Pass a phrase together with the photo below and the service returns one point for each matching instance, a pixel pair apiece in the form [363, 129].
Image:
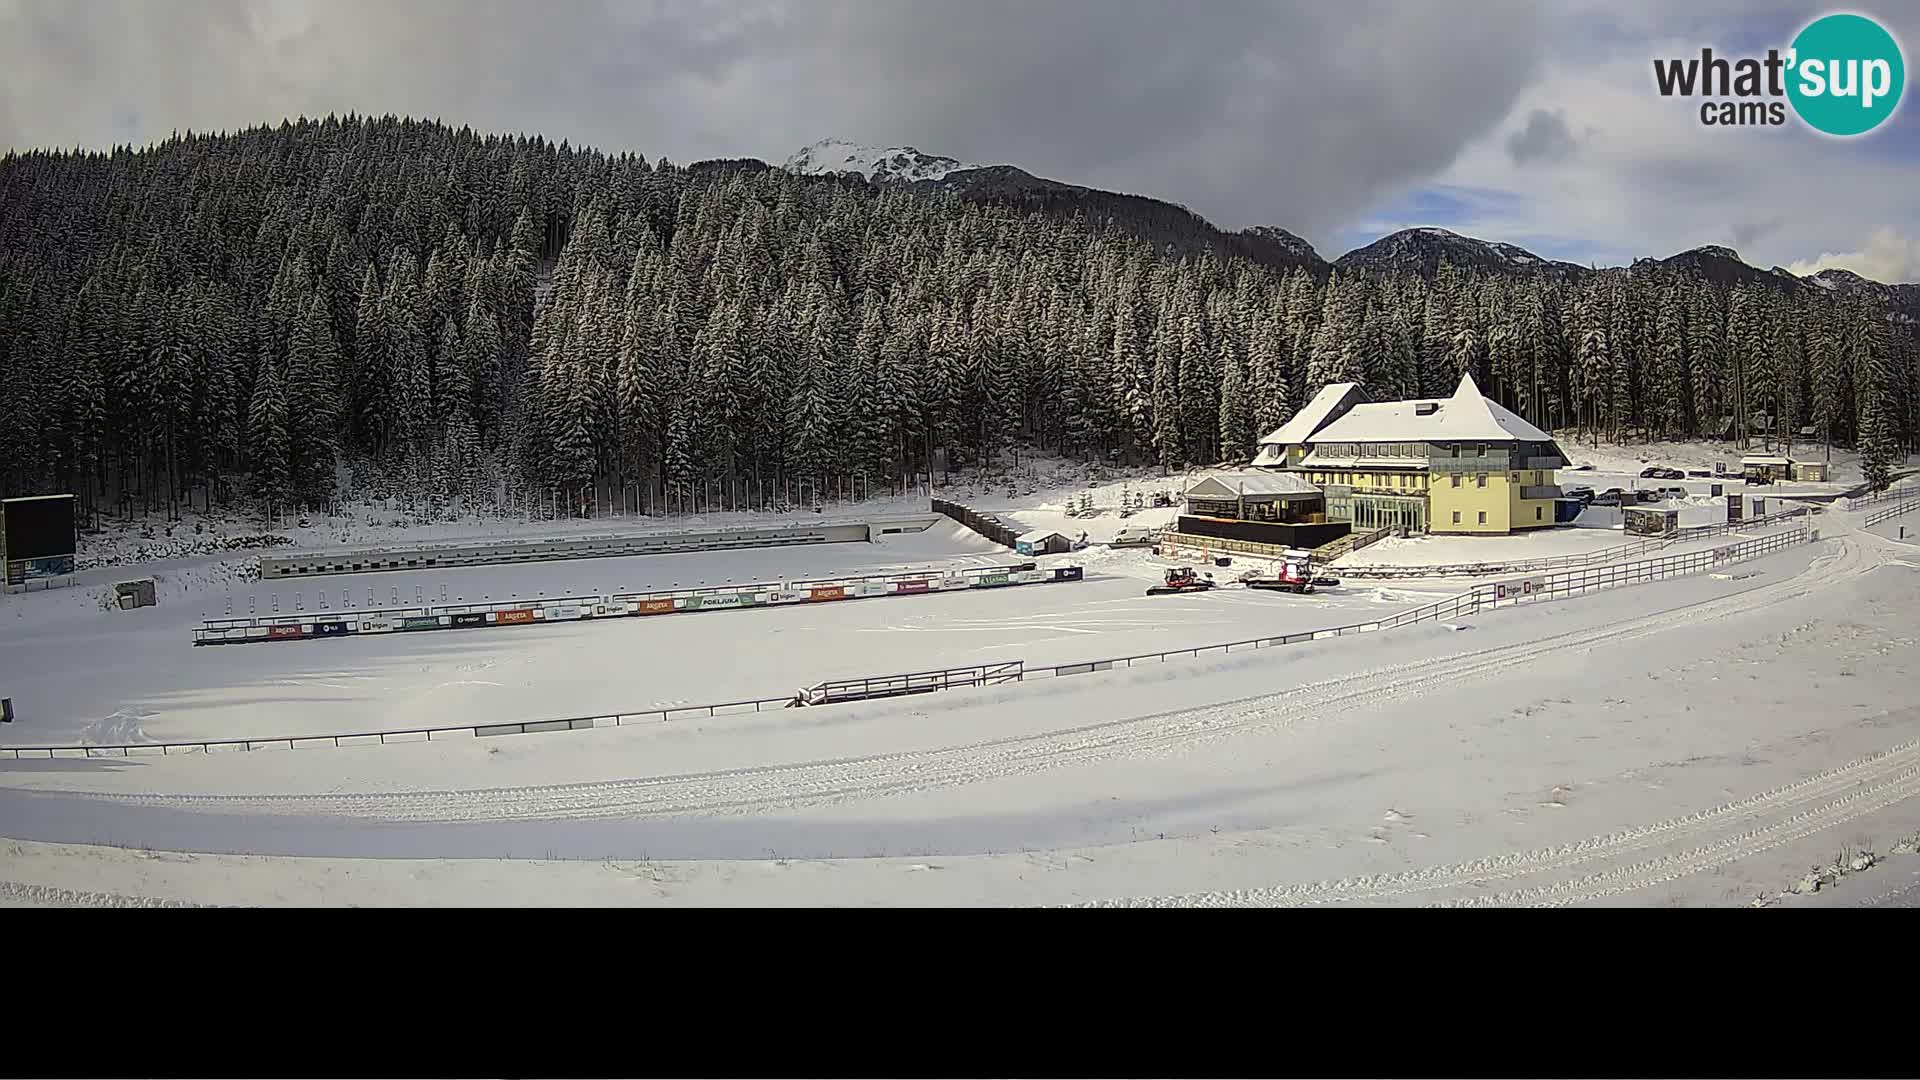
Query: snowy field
[1702, 743]
[150, 683]
[1697, 741]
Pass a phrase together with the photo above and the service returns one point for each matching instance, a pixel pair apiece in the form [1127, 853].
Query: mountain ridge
[1419, 249]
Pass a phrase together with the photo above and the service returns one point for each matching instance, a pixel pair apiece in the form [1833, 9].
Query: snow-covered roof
[1467, 415]
[1324, 406]
[1038, 534]
[1764, 459]
[1252, 485]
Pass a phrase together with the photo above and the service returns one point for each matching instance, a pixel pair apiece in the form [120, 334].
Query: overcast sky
[1530, 122]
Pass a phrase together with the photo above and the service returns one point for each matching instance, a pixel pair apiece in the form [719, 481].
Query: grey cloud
[1545, 137]
[1745, 233]
[1298, 113]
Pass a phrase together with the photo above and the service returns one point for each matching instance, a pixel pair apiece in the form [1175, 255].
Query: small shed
[1651, 521]
[1814, 472]
[1767, 467]
[1042, 542]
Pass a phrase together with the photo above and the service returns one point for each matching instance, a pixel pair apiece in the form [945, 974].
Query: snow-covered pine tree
[1324, 356]
[1873, 374]
[1236, 417]
[267, 434]
[1168, 441]
[1669, 386]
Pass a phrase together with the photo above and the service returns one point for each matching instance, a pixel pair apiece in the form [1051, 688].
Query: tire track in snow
[763, 789]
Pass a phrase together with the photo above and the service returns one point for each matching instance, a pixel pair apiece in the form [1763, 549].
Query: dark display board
[37, 537]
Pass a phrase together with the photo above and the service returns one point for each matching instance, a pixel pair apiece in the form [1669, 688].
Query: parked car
[1579, 468]
[1583, 492]
[1609, 497]
[1672, 493]
[1759, 478]
[1699, 474]
[1661, 472]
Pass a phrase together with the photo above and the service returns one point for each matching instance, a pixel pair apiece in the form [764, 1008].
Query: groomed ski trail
[772, 788]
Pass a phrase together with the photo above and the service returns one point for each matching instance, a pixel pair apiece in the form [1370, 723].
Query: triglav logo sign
[1843, 75]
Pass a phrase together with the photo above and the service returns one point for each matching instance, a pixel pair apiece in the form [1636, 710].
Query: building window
[1456, 479]
[1536, 513]
[1454, 450]
[1456, 517]
[1480, 480]
[1483, 517]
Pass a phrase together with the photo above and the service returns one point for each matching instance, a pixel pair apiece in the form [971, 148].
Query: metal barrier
[1489, 596]
[871, 687]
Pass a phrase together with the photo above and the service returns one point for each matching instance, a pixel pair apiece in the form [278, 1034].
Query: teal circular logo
[1845, 75]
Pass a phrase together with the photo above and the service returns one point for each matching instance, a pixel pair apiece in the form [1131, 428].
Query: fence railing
[1488, 596]
[1570, 562]
[1891, 512]
[1901, 491]
[1196, 542]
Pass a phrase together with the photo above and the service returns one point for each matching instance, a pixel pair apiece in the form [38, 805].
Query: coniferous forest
[238, 320]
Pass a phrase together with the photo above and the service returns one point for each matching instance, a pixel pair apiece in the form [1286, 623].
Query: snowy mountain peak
[1421, 250]
[1285, 240]
[897, 163]
[1716, 250]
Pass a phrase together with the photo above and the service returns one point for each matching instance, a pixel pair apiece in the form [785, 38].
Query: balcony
[1540, 491]
[1491, 463]
[1548, 463]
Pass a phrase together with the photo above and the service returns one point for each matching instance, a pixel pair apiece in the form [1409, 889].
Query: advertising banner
[909, 586]
[421, 622]
[563, 612]
[517, 615]
[470, 618]
[283, 633]
[656, 606]
[831, 592]
[330, 629]
[988, 581]
[22, 571]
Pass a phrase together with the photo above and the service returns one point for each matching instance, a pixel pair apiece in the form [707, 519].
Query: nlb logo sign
[1843, 75]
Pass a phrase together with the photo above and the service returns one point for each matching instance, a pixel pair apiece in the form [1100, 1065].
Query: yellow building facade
[1462, 464]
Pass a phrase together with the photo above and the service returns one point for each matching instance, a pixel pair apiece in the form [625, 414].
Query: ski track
[768, 788]
[1880, 780]
[1719, 836]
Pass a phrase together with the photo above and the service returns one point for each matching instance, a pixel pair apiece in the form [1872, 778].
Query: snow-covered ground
[1697, 741]
[1620, 466]
[1692, 744]
[80, 674]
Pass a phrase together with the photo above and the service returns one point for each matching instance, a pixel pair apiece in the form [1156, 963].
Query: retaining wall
[437, 557]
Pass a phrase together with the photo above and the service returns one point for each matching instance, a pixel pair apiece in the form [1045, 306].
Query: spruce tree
[267, 434]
